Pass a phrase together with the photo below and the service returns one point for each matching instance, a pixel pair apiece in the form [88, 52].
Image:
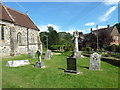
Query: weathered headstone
[39, 64]
[48, 55]
[95, 60]
[32, 54]
[71, 66]
[17, 63]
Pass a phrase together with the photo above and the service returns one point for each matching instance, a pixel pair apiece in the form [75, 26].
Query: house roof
[18, 18]
[102, 29]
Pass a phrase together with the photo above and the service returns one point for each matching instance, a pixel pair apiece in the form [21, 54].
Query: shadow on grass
[84, 67]
[61, 68]
[32, 65]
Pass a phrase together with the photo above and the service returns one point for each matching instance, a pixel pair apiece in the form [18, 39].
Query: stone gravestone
[95, 59]
[39, 64]
[32, 54]
[17, 63]
[48, 55]
[71, 66]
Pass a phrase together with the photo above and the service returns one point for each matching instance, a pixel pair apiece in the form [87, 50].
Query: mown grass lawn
[54, 77]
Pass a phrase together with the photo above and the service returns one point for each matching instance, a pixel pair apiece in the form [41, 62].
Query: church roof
[18, 18]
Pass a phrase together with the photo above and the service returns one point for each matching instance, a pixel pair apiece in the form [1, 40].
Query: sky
[69, 16]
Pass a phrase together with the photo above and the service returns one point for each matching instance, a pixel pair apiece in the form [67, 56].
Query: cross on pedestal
[39, 64]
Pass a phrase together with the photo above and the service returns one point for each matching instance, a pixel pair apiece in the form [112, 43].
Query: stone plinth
[40, 65]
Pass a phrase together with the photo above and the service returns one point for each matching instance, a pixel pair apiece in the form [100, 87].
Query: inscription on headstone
[17, 63]
[71, 65]
[95, 60]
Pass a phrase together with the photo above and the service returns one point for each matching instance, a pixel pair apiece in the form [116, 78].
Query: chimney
[91, 30]
[108, 26]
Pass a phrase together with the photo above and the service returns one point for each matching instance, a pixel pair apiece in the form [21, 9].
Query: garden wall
[115, 62]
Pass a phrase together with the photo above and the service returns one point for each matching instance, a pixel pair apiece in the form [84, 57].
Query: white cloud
[102, 27]
[105, 17]
[56, 27]
[43, 28]
[111, 2]
[90, 24]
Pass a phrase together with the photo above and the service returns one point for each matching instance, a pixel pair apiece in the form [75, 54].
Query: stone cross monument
[77, 53]
[76, 35]
[40, 44]
[39, 64]
[39, 55]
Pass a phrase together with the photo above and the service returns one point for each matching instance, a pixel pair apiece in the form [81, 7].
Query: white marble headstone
[95, 60]
[17, 63]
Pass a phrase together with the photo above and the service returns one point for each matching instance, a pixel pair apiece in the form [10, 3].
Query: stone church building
[18, 33]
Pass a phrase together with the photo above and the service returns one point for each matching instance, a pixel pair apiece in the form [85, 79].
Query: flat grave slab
[17, 63]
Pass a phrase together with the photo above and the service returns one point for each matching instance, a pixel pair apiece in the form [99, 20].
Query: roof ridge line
[33, 22]
[15, 10]
[8, 13]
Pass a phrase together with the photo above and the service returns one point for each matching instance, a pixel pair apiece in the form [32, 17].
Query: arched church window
[19, 38]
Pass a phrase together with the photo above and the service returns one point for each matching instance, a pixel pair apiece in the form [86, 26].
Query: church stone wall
[21, 48]
[33, 40]
[10, 44]
[5, 44]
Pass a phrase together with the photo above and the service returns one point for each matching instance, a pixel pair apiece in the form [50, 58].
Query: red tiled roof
[3, 14]
[102, 29]
[20, 18]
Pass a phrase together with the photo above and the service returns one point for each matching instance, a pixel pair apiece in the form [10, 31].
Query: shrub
[88, 49]
[68, 47]
[83, 49]
[118, 48]
[55, 47]
[113, 48]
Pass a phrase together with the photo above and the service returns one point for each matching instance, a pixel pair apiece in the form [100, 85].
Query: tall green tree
[57, 40]
[53, 37]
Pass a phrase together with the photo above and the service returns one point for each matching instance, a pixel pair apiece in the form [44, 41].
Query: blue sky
[69, 16]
